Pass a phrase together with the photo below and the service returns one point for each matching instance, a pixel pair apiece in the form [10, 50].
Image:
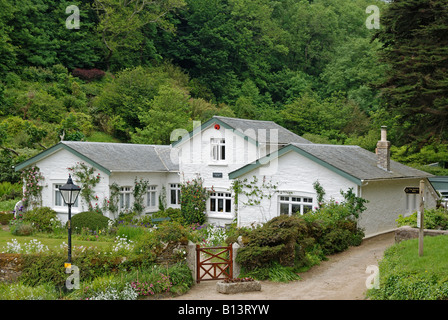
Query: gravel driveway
[342, 277]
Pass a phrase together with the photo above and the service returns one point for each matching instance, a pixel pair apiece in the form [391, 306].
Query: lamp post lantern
[69, 193]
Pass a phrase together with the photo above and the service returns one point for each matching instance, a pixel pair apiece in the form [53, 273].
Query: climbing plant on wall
[194, 201]
[139, 191]
[85, 176]
[32, 190]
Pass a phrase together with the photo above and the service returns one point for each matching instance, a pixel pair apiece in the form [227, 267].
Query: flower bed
[237, 285]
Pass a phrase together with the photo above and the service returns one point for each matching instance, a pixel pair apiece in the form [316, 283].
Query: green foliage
[84, 175]
[193, 201]
[32, 191]
[151, 243]
[434, 218]
[174, 214]
[275, 241]
[90, 220]
[299, 242]
[139, 191]
[43, 219]
[415, 87]
[20, 291]
[404, 275]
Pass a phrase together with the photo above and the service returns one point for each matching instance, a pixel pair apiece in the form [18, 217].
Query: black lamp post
[69, 193]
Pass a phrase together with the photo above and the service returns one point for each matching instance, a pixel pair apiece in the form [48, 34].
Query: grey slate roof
[358, 162]
[284, 136]
[124, 157]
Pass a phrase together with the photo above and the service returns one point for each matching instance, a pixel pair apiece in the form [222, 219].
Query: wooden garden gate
[214, 263]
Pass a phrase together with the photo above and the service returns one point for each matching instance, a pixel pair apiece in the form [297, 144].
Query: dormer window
[218, 147]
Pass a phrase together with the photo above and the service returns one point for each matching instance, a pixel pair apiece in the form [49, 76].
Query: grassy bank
[404, 275]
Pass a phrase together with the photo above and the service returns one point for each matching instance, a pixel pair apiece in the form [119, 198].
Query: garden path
[342, 277]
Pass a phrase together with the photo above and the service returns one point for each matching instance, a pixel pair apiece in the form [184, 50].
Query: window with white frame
[175, 193]
[58, 200]
[125, 197]
[411, 202]
[295, 204]
[151, 197]
[218, 148]
[220, 202]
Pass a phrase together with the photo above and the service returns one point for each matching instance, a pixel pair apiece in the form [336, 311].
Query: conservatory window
[295, 204]
[125, 197]
[175, 193]
[151, 197]
[220, 202]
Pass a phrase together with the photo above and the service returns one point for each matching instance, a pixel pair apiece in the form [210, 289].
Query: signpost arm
[421, 217]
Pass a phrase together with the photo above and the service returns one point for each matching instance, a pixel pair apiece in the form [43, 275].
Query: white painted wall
[195, 161]
[387, 200]
[295, 175]
[55, 170]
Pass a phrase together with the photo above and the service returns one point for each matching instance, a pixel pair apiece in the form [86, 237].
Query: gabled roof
[351, 162]
[250, 129]
[114, 157]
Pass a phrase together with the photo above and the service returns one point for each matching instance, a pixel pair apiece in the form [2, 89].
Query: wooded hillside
[135, 70]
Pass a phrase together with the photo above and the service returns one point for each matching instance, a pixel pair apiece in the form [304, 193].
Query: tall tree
[121, 22]
[415, 44]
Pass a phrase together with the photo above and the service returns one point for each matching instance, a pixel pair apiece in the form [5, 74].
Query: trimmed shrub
[283, 239]
[90, 220]
[43, 219]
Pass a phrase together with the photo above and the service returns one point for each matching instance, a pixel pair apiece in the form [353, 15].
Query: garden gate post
[191, 259]
[236, 265]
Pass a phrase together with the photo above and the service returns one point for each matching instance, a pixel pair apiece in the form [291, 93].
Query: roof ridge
[116, 143]
[252, 120]
[326, 145]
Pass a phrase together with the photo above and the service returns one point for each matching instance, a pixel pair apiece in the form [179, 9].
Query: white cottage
[116, 163]
[283, 165]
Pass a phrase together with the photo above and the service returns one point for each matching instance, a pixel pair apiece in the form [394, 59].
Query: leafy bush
[90, 220]
[433, 219]
[193, 201]
[282, 239]
[174, 214]
[151, 244]
[299, 242]
[43, 219]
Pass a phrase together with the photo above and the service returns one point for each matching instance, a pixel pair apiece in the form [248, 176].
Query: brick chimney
[383, 151]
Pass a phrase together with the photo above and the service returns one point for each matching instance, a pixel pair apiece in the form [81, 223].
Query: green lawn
[6, 236]
[404, 275]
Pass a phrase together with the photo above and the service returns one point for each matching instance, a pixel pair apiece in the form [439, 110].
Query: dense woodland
[135, 70]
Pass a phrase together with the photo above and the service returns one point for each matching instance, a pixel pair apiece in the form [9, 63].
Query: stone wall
[10, 267]
[406, 233]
